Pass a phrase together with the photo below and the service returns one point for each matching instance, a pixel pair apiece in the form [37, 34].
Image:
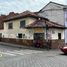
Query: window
[22, 24]
[19, 35]
[38, 36]
[53, 31]
[59, 35]
[10, 25]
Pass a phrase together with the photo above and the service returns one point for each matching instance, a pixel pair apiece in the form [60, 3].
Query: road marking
[15, 53]
[1, 55]
[7, 53]
[23, 52]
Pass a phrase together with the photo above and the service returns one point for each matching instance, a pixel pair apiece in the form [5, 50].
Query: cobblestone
[34, 58]
[44, 59]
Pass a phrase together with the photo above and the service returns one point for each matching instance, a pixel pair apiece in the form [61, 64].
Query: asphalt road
[16, 57]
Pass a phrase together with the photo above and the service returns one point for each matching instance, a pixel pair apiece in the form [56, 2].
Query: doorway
[38, 39]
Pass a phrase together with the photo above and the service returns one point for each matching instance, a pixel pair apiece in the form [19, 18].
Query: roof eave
[6, 20]
[48, 27]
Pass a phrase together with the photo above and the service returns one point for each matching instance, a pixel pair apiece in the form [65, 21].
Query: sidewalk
[24, 47]
[20, 46]
[13, 45]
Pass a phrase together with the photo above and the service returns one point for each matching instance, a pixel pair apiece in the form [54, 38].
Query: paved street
[16, 57]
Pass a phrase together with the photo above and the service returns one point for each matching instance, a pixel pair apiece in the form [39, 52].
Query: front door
[38, 39]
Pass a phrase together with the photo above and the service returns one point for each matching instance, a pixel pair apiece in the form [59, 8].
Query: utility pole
[46, 27]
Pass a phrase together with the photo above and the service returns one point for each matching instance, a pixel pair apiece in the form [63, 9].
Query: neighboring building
[2, 17]
[1, 21]
[55, 12]
[27, 27]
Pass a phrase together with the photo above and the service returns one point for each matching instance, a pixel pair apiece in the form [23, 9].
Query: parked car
[64, 49]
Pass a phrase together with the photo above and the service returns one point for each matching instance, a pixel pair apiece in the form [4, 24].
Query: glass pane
[38, 36]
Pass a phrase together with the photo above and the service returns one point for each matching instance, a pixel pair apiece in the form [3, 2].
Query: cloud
[7, 6]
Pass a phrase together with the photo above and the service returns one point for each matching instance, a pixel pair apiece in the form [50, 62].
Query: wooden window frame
[10, 25]
[22, 24]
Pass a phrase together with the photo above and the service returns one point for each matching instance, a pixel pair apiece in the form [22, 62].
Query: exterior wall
[2, 32]
[52, 5]
[55, 33]
[53, 44]
[30, 20]
[57, 44]
[12, 33]
[29, 33]
[24, 42]
[39, 30]
[65, 16]
[54, 13]
[52, 33]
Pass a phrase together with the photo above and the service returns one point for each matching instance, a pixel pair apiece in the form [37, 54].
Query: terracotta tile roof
[43, 23]
[22, 15]
[11, 14]
[2, 17]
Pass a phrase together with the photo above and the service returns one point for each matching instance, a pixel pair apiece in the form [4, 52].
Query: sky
[19, 6]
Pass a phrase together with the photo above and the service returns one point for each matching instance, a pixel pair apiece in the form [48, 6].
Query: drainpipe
[65, 16]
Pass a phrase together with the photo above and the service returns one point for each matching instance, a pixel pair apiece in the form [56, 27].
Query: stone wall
[57, 43]
[18, 41]
[53, 44]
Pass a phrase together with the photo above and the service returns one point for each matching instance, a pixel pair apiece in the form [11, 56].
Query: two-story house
[27, 27]
[57, 13]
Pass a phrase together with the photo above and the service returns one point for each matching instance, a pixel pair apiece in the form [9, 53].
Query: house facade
[57, 13]
[27, 28]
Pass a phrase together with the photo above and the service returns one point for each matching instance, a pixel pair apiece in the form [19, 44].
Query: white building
[57, 13]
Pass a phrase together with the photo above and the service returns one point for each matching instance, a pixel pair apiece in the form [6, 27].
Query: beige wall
[13, 33]
[29, 33]
[16, 23]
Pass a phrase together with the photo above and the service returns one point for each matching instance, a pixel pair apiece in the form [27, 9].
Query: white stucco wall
[52, 5]
[55, 33]
[54, 13]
